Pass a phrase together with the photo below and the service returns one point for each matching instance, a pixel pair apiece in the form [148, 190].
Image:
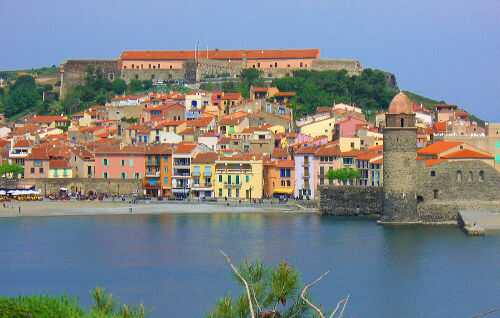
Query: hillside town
[216, 145]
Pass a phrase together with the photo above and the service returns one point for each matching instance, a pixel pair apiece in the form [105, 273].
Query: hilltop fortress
[199, 66]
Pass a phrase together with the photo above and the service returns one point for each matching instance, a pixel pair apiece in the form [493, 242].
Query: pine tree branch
[309, 303]
[247, 287]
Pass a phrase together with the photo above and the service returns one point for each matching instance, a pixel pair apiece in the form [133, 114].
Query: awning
[283, 191]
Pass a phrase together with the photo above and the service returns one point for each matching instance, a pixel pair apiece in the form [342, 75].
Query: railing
[153, 174]
[232, 185]
[186, 174]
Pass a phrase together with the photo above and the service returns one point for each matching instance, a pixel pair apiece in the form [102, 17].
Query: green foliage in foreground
[13, 170]
[66, 307]
[343, 175]
[275, 291]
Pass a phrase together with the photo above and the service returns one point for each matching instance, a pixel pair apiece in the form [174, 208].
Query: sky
[447, 49]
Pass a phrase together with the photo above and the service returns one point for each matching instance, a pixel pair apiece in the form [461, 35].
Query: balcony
[232, 185]
[181, 175]
[202, 186]
[152, 174]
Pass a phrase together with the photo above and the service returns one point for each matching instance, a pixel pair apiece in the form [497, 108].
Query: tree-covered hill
[370, 90]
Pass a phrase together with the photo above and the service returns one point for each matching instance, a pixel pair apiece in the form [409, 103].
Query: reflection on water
[171, 262]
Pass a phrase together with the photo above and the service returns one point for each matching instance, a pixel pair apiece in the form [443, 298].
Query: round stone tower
[400, 153]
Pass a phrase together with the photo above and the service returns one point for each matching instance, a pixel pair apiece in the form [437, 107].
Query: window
[481, 176]
[40, 170]
[433, 173]
[32, 170]
[220, 178]
[220, 192]
[158, 65]
[208, 171]
[105, 175]
[123, 163]
[124, 175]
[347, 161]
[196, 170]
[237, 179]
[275, 64]
[471, 177]
[137, 175]
[301, 64]
[402, 122]
[436, 194]
[229, 180]
[165, 180]
[247, 179]
[104, 162]
[459, 176]
[237, 192]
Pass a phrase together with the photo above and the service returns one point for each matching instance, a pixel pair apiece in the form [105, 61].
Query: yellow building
[239, 177]
[203, 174]
[321, 127]
[349, 143]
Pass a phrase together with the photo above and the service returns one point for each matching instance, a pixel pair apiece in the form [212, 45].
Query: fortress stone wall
[73, 72]
[351, 200]
[110, 186]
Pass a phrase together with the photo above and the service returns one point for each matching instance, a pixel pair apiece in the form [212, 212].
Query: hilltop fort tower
[400, 168]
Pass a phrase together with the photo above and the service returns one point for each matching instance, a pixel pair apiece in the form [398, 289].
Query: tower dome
[400, 104]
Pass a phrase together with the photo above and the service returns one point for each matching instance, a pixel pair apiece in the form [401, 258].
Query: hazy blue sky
[446, 49]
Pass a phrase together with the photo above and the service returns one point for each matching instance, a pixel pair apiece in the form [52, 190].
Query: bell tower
[400, 154]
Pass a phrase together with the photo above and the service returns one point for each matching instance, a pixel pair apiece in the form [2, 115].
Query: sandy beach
[74, 208]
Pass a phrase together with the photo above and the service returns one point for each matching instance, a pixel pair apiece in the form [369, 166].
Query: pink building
[117, 162]
[348, 127]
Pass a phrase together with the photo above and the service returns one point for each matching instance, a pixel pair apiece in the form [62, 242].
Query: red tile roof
[433, 162]
[158, 149]
[47, 119]
[59, 164]
[205, 157]
[332, 149]
[285, 163]
[306, 150]
[467, 154]
[24, 143]
[438, 147]
[185, 148]
[231, 96]
[222, 54]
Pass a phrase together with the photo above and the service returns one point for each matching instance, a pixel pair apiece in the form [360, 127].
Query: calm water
[172, 264]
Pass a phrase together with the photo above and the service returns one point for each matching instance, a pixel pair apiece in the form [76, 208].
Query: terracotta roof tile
[467, 154]
[438, 147]
[221, 54]
[185, 148]
[205, 157]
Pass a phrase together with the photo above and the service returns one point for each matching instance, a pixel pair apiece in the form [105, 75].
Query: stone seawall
[351, 200]
[110, 186]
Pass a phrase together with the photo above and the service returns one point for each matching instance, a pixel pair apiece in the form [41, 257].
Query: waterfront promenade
[74, 208]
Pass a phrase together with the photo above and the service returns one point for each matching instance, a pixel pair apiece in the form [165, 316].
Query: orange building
[279, 178]
[158, 171]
